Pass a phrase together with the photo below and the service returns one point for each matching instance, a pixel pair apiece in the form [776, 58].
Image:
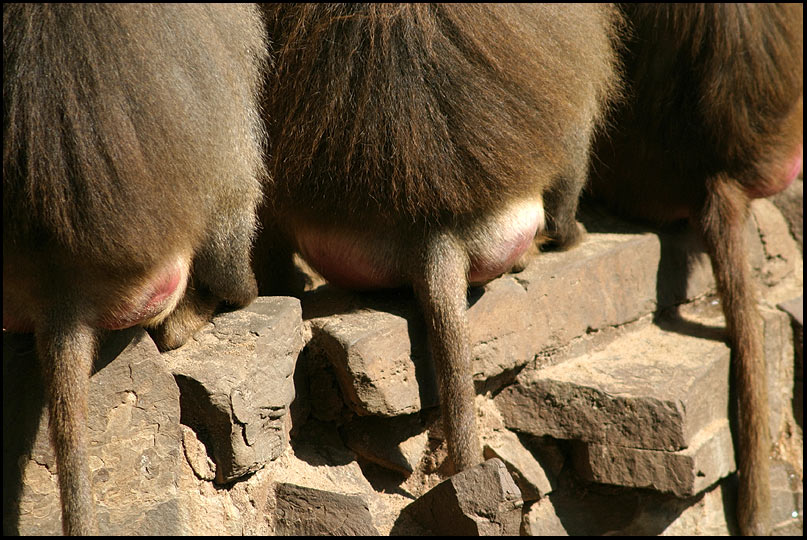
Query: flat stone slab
[652, 389]
[709, 458]
[236, 381]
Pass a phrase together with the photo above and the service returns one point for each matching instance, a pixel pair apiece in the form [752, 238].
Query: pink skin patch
[345, 263]
[485, 269]
[795, 167]
[153, 302]
[780, 177]
[156, 297]
[364, 262]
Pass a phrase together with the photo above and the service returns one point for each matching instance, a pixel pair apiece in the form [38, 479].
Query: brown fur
[714, 105]
[130, 140]
[402, 128]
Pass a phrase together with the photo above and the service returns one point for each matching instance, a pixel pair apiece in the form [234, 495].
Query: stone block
[480, 501]
[778, 347]
[380, 370]
[304, 511]
[780, 250]
[687, 472]
[611, 511]
[394, 443]
[795, 310]
[526, 470]
[542, 520]
[654, 388]
[791, 203]
[235, 376]
[651, 389]
[318, 464]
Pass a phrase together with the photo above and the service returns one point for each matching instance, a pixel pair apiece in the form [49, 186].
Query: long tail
[442, 287]
[66, 350]
[722, 226]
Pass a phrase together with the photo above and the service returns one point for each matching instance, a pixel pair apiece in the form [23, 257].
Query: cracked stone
[480, 501]
[134, 443]
[235, 376]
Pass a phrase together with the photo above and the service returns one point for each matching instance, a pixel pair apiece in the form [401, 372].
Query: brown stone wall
[602, 382]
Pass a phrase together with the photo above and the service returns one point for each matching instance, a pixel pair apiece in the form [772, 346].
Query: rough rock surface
[236, 382]
[135, 446]
[791, 203]
[480, 501]
[303, 511]
[605, 403]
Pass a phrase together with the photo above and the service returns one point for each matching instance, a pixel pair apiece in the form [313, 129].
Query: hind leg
[273, 262]
[563, 231]
[222, 266]
[220, 272]
[193, 311]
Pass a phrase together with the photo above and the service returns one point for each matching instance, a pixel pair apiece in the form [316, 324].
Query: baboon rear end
[425, 146]
[712, 120]
[131, 171]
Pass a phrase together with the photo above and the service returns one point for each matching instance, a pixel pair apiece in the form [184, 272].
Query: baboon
[712, 119]
[131, 171]
[425, 145]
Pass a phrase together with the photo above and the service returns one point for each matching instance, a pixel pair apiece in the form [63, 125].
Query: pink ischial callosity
[486, 269]
[502, 239]
[345, 262]
[357, 261]
[154, 299]
[795, 165]
[780, 177]
[159, 294]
